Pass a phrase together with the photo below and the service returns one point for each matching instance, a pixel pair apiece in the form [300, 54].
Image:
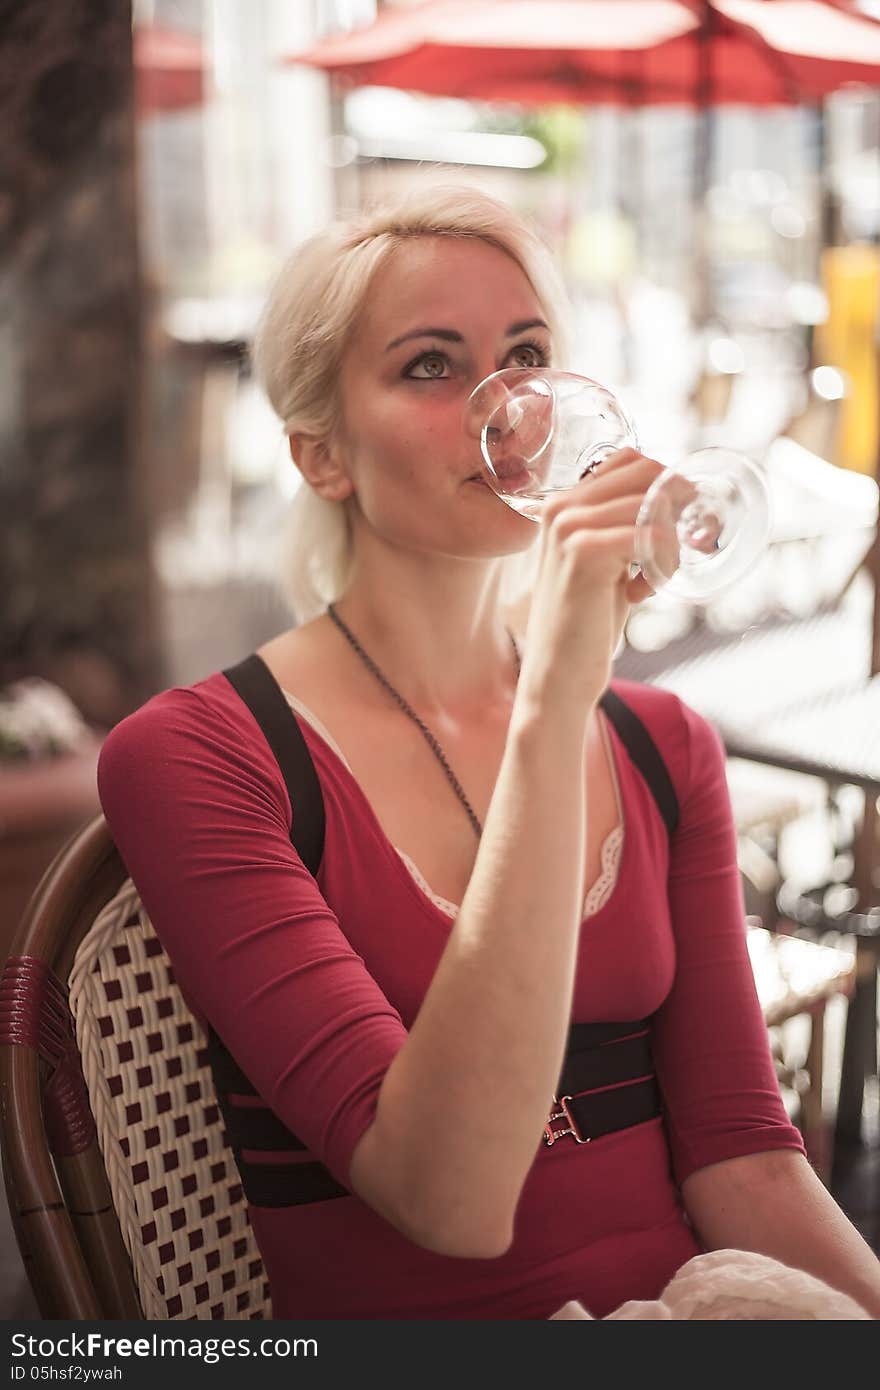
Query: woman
[494, 867]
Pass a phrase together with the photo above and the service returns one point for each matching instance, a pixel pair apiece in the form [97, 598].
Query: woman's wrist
[548, 706]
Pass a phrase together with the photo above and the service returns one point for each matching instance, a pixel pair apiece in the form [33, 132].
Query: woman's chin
[498, 539]
[489, 500]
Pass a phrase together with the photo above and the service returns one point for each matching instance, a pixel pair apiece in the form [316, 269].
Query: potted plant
[48, 756]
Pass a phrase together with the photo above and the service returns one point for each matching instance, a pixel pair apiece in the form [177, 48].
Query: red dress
[312, 984]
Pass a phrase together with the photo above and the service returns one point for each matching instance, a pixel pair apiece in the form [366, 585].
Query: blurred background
[712, 193]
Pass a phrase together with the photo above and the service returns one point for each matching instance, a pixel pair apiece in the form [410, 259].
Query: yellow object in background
[848, 340]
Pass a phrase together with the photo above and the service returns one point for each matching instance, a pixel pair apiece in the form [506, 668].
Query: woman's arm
[774, 1204]
[461, 1109]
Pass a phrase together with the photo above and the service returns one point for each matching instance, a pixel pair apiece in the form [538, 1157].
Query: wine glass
[702, 523]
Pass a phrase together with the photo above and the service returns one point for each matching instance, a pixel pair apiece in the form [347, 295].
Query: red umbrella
[640, 52]
[169, 69]
[700, 53]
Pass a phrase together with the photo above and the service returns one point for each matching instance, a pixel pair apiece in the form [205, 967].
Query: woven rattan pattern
[174, 1182]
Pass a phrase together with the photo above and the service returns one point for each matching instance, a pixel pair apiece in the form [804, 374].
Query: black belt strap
[288, 1184]
[255, 1129]
[607, 1111]
[606, 1066]
[259, 1128]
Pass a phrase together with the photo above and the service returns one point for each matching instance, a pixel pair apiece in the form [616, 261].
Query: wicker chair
[124, 1195]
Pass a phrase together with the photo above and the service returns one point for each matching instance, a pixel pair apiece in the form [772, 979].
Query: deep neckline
[411, 871]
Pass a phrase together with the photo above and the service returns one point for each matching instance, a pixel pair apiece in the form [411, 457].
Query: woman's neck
[442, 640]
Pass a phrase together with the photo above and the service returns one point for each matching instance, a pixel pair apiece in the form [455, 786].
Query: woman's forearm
[461, 1109]
[774, 1204]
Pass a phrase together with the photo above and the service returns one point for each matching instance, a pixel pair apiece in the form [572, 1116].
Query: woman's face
[441, 314]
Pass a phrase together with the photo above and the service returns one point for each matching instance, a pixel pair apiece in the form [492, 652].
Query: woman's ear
[320, 466]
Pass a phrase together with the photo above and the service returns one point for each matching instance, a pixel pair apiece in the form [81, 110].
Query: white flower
[38, 720]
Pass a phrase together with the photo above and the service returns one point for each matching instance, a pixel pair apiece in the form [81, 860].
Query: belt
[607, 1083]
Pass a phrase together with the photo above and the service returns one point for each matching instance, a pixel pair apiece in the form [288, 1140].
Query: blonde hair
[303, 333]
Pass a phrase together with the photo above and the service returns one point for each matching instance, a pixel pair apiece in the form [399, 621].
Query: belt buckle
[563, 1113]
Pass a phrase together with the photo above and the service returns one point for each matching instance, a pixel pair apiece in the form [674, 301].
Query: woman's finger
[626, 469]
[594, 515]
[638, 589]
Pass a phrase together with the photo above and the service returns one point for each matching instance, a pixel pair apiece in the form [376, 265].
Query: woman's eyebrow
[449, 335]
[524, 325]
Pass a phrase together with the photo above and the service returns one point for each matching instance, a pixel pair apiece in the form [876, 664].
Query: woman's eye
[428, 367]
[528, 355]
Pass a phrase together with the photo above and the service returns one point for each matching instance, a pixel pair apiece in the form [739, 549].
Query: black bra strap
[258, 688]
[645, 754]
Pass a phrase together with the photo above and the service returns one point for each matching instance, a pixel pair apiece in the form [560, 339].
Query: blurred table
[798, 694]
[737, 678]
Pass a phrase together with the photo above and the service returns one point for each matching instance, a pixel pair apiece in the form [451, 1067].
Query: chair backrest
[123, 1192]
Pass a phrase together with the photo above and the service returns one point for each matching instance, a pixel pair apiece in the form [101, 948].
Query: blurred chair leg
[860, 1042]
[817, 1134]
[859, 1050]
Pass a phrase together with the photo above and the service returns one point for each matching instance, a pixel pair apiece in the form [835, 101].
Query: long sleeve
[199, 811]
[711, 1044]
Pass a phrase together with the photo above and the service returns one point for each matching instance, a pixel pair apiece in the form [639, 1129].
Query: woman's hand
[584, 591]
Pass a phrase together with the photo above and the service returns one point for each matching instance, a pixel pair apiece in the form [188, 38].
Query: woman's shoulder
[184, 732]
[652, 703]
[181, 710]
